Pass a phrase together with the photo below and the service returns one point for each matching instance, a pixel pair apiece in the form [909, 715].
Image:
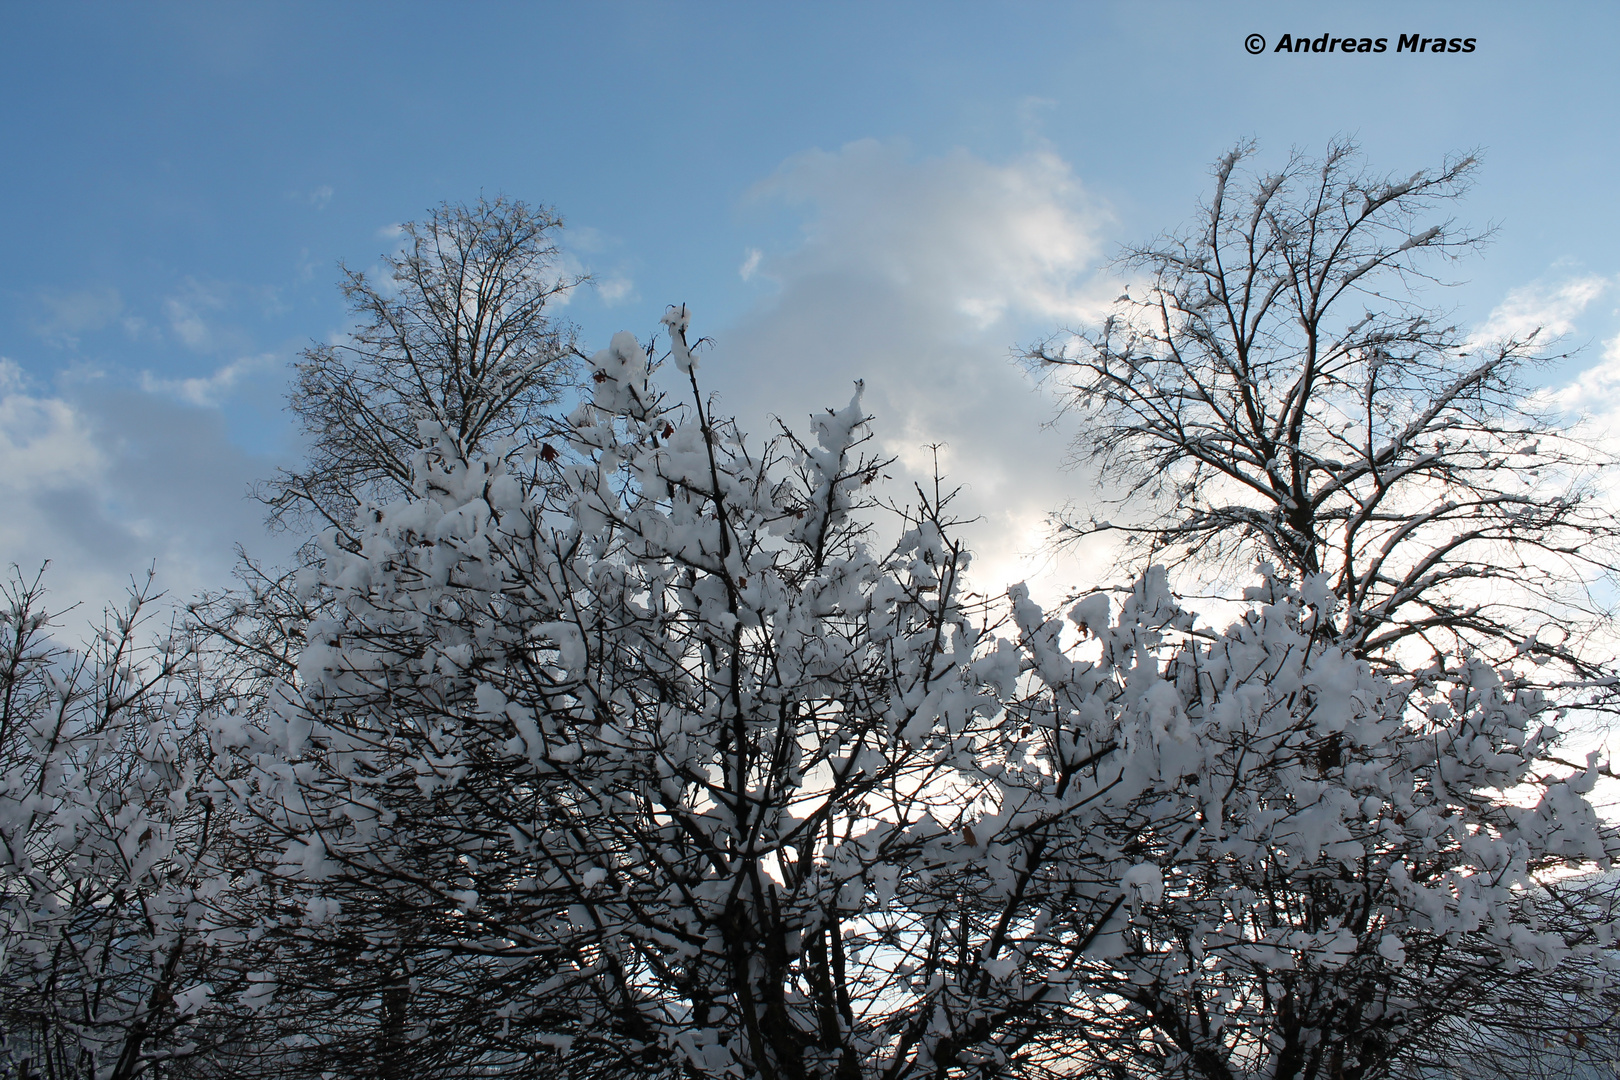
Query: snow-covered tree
[1281, 387]
[622, 771]
[643, 759]
[107, 845]
[1333, 874]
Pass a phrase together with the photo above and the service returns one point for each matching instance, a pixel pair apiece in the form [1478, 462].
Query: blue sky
[903, 192]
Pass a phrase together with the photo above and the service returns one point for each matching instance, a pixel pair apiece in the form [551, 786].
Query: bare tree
[458, 336]
[1281, 390]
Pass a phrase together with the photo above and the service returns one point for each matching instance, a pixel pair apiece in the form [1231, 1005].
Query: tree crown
[458, 336]
[1279, 389]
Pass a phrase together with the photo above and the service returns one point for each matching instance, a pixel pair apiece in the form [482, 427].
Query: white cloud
[587, 239]
[1592, 396]
[750, 265]
[1550, 307]
[996, 240]
[185, 313]
[212, 390]
[43, 441]
[108, 483]
[616, 290]
[611, 287]
[1591, 401]
[203, 314]
[920, 277]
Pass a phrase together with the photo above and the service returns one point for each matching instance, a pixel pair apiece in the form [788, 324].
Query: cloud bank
[107, 483]
[921, 277]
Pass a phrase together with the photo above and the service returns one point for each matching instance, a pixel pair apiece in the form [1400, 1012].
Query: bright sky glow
[901, 192]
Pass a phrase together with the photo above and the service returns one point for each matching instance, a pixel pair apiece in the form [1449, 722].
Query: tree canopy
[457, 336]
[658, 760]
[1281, 387]
[617, 742]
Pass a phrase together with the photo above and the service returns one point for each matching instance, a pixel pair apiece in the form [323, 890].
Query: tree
[632, 764]
[456, 340]
[650, 765]
[1337, 874]
[108, 853]
[1279, 389]
[458, 337]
